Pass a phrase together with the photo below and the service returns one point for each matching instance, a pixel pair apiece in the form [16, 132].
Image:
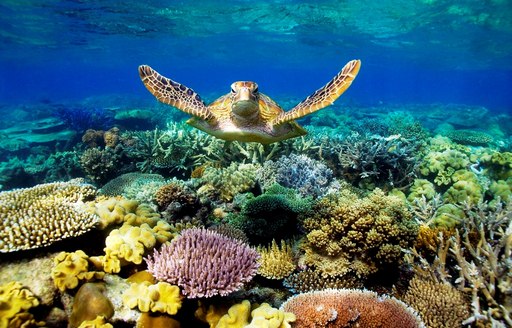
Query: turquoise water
[402, 187]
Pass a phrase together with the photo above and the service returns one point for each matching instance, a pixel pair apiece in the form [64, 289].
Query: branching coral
[350, 307]
[204, 263]
[306, 175]
[276, 262]
[378, 161]
[41, 215]
[348, 234]
[482, 251]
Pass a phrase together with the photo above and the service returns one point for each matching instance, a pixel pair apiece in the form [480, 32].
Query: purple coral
[204, 263]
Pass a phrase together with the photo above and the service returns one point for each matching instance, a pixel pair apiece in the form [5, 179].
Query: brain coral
[204, 263]
[350, 308]
[348, 234]
[41, 215]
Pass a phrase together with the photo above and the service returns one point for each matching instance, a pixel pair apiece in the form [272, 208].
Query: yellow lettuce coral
[240, 316]
[160, 297]
[71, 268]
[15, 301]
[99, 322]
[276, 262]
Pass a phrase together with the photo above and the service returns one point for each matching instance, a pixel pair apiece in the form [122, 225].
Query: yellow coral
[71, 268]
[238, 316]
[276, 262]
[41, 215]
[99, 322]
[15, 301]
[161, 297]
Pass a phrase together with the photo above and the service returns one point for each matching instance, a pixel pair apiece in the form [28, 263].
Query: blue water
[412, 51]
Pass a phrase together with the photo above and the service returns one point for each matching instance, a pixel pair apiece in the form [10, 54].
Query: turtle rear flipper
[174, 93]
[324, 96]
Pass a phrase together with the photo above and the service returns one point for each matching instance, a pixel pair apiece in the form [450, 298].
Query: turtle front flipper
[325, 96]
[174, 93]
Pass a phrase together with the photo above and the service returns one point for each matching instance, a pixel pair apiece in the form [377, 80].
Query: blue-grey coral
[204, 263]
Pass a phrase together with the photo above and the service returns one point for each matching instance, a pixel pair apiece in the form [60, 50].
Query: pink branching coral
[204, 263]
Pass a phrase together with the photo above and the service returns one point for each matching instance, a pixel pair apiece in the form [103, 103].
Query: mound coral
[204, 263]
[15, 301]
[440, 305]
[348, 234]
[160, 297]
[129, 183]
[71, 268]
[276, 262]
[89, 303]
[350, 307]
[41, 215]
[270, 215]
[469, 137]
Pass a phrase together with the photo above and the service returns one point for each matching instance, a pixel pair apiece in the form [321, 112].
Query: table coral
[15, 301]
[276, 262]
[41, 215]
[350, 307]
[348, 234]
[161, 297]
[71, 268]
[204, 263]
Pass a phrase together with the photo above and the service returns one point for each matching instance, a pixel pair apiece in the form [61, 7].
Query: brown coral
[41, 215]
[350, 308]
[175, 193]
[309, 280]
[440, 305]
[276, 262]
[111, 137]
[93, 138]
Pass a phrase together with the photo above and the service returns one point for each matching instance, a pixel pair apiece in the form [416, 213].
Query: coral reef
[204, 263]
[348, 234]
[41, 215]
[276, 262]
[350, 307]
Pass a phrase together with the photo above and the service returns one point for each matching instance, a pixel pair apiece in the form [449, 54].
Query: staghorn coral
[41, 215]
[204, 263]
[229, 181]
[350, 307]
[276, 262]
[15, 301]
[309, 280]
[440, 305]
[71, 268]
[348, 234]
[161, 297]
[306, 175]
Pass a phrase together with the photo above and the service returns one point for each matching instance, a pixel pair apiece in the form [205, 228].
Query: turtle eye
[233, 90]
[255, 90]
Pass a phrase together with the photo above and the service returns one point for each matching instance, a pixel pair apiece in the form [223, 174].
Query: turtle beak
[245, 94]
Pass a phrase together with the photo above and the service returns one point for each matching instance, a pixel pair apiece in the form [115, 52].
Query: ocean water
[424, 132]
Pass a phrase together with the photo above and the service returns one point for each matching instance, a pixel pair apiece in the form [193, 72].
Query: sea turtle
[245, 114]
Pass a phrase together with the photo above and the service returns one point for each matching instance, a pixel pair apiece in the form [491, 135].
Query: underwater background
[394, 209]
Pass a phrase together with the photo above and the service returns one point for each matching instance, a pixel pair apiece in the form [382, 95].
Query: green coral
[448, 216]
[502, 189]
[421, 188]
[441, 165]
[465, 188]
[348, 234]
[469, 137]
[270, 215]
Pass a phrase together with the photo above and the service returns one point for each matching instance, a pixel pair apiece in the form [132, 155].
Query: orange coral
[350, 308]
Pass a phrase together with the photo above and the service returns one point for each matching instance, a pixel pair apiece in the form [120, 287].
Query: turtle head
[244, 100]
